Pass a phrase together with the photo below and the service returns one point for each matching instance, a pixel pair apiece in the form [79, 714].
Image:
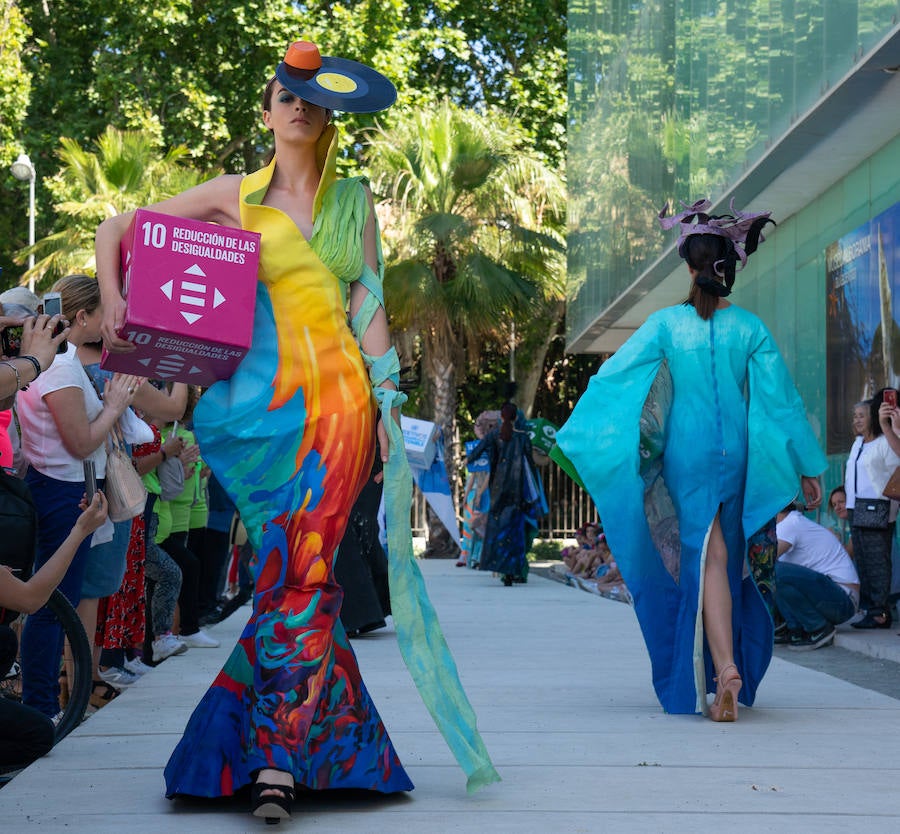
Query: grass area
[546, 550]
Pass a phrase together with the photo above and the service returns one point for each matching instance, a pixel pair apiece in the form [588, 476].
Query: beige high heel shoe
[725, 705]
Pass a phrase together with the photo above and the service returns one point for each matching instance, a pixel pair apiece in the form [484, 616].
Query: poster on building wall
[861, 323]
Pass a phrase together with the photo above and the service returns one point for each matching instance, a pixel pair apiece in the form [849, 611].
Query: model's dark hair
[508, 413]
[704, 253]
[715, 258]
[268, 93]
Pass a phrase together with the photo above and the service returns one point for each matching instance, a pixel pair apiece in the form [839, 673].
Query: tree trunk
[440, 543]
[530, 369]
[442, 376]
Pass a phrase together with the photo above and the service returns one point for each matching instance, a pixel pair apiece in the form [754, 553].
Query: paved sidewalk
[561, 684]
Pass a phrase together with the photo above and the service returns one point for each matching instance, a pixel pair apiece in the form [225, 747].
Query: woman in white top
[64, 422]
[874, 456]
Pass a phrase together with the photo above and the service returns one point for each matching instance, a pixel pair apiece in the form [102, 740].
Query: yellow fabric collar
[254, 186]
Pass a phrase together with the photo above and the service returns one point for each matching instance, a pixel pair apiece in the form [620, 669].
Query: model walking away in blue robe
[689, 440]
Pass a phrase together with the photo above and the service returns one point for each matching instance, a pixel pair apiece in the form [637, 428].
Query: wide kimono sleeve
[601, 441]
[782, 444]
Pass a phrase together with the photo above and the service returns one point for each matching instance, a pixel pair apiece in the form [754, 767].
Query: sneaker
[118, 677]
[199, 640]
[804, 642]
[166, 645]
[137, 666]
[782, 635]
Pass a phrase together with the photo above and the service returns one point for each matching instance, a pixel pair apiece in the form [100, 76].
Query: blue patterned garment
[731, 436]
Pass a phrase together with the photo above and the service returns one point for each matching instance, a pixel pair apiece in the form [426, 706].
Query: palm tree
[127, 171]
[471, 229]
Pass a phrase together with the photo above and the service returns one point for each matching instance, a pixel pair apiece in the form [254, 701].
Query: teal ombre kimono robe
[732, 437]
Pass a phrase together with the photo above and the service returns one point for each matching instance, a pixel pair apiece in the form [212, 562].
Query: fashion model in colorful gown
[291, 437]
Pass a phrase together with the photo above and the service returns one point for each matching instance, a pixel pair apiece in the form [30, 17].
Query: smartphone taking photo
[90, 480]
[890, 397]
[53, 307]
[11, 336]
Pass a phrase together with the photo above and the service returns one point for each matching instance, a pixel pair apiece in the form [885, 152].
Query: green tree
[127, 170]
[470, 240]
[15, 85]
[504, 54]
[192, 74]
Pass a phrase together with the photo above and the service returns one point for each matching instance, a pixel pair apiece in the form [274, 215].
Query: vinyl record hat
[334, 83]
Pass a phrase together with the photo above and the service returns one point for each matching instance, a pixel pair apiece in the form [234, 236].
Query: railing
[570, 507]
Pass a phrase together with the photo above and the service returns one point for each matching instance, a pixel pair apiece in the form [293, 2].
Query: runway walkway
[560, 681]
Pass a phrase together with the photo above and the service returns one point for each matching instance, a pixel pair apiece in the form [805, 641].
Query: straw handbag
[124, 489]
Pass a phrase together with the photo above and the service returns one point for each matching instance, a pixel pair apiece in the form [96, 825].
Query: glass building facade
[674, 101]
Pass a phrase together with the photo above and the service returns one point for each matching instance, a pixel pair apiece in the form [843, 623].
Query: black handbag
[871, 513]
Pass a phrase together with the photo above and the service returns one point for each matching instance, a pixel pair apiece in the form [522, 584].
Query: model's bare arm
[216, 201]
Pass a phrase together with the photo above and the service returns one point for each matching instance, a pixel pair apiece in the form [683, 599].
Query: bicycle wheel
[82, 662]
[79, 648]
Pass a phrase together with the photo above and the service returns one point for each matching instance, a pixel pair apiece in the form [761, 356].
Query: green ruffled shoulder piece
[337, 236]
[337, 239]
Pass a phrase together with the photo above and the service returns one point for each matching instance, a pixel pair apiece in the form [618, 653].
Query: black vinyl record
[339, 84]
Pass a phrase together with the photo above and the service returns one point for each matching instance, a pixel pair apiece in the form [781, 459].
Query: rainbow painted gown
[291, 437]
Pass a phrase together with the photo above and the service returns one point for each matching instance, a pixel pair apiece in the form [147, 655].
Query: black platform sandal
[272, 806]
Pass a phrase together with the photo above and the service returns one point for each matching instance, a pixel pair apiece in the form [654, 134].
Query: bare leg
[87, 612]
[717, 600]
[717, 625]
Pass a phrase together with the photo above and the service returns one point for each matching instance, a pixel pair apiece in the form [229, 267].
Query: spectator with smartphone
[63, 421]
[28, 349]
[874, 456]
[115, 572]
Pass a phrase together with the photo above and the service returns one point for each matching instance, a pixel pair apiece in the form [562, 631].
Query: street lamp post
[23, 169]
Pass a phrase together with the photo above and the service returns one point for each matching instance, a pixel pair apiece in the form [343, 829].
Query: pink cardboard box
[190, 291]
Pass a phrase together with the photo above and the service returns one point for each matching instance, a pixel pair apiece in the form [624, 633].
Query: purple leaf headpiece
[743, 229]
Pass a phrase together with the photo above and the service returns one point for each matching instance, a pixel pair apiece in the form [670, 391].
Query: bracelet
[15, 370]
[34, 361]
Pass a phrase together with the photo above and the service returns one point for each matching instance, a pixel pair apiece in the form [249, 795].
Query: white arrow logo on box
[192, 293]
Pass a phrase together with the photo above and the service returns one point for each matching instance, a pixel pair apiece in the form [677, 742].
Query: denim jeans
[810, 600]
[42, 638]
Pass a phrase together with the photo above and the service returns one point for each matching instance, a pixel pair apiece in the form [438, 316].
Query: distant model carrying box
[418, 438]
[190, 290]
